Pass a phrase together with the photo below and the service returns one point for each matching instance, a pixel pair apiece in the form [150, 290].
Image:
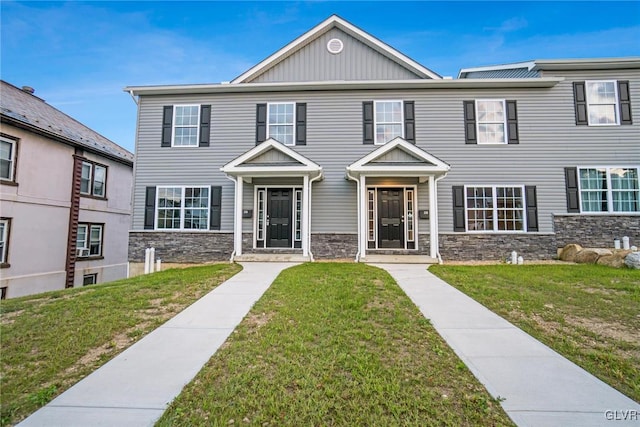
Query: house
[65, 199]
[340, 146]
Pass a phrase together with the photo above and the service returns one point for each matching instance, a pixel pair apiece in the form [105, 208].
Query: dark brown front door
[390, 218]
[279, 217]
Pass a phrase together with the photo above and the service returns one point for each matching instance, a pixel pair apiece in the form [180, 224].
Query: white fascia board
[264, 147]
[588, 63]
[364, 162]
[536, 82]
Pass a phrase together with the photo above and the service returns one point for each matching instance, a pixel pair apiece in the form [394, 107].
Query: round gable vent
[335, 46]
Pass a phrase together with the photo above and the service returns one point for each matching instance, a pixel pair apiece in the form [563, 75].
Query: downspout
[309, 215]
[358, 202]
[235, 195]
[435, 212]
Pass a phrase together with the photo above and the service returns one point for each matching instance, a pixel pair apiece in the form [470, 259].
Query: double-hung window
[491, 121]
[89, 240]
[185, 125]
[7, 159]
[389, 121]
[495, 208]
[602, 102]
[182, 208]
[609, 189]
[281, 122]
[5, 224]
[93, 181]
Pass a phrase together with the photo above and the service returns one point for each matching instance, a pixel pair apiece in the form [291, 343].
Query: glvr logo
[622, 415]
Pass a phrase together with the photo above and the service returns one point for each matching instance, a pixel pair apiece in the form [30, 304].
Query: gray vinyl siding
[357, 61]
[549, 141]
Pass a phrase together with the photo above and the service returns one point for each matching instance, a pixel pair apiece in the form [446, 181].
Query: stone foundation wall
[495, 247]
[334, 246]
[596, 231]
[181, 247]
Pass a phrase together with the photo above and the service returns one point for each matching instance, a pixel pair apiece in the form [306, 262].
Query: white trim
[293, 122]
[375, 120]
[334, 41]
[404, 188]
[504, 121]
[616, 104]
[182, 208]
[4, 239]
[12, 160]
[173, 126]
[609, 190]
[334, 21]
[237, 223]
[494, 196]
[266, 188]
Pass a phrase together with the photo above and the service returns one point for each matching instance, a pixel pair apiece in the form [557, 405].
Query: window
[609, 189]
[389, 121]
[93, 180]
[89, 240]
[602, 102]
[281, 120]
[261, 214]
[495, 208]
[183, 208]
[298, 216]
[491, 121]
[90, 279]
[7, 158]
[5, 224]
[185, 125]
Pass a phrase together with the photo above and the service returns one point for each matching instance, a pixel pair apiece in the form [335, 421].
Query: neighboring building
[65, 199]
[340, 146]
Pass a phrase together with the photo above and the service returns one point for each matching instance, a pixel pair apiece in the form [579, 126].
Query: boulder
[616, 260]
[569, 252]
[591, 255]
[633, 260]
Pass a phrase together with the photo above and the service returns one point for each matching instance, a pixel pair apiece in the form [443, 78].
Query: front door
[390, 218]
[279, 217]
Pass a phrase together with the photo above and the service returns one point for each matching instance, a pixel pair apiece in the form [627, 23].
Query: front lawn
[334, 344]
[588, 313]
[50, 341]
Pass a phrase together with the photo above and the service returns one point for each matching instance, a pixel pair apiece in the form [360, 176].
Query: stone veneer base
[496, 247]
[596, 231]
[181, 247]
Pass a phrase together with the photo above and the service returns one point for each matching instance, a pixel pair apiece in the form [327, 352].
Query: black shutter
[150, 208]
[470, 122]
[458, 208]
[261, 123]
[409, 122]
[571, 183]
[167, 122]
[625, 102]
[580, 100]
[532, 207]
[216, 205]
[512, 122]
[367, 120]
[301, 124]
[205, 125]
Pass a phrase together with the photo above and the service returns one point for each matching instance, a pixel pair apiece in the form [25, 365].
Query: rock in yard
[569, 252]
[633, 260]
[591, 255]
[616, 260]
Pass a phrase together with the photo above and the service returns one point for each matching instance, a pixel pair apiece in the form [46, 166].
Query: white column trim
[362, 223]
[433, 218]
[237, 227]
[305, 216]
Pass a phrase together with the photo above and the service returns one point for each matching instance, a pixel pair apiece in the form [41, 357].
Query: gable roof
[23, 109]
[334, 21]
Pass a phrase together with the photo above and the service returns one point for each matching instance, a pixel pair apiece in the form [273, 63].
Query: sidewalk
[135, 387]
[540, 387]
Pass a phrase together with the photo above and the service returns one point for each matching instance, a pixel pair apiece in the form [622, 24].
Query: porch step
[271, 258]
[399, 259]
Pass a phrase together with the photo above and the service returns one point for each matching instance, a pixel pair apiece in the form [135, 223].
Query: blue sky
[79, 55]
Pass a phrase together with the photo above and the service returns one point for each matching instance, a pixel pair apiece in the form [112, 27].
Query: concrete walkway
[135, 387]
[540, 387]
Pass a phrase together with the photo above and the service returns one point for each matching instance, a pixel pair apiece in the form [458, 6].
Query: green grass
[334, 344]
[50, 341]
[588, 313]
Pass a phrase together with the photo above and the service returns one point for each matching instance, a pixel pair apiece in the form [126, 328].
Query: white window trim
[90, 192]
[182, 208]
[504, 121]
[12, 166]
[5, 240]
[174, 126]
[266, 188]
[610, 210]
[293, 123]
[616, 106]
[494, 195]
[93, 181]
[404, 212]
[375, 119]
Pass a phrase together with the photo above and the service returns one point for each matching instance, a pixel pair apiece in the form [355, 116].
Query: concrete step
[399, 259]
[271, 258]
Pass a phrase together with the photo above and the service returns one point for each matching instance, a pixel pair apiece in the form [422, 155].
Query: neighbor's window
[4, 239]
[183, 208]
[281, 120]
[90, 279]
[7, 158]
[389, 121]
[93, 181]
[89, 240]
[602, 102]
[609, 189]
[185, 125]
[491, 121]
[495, 208]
